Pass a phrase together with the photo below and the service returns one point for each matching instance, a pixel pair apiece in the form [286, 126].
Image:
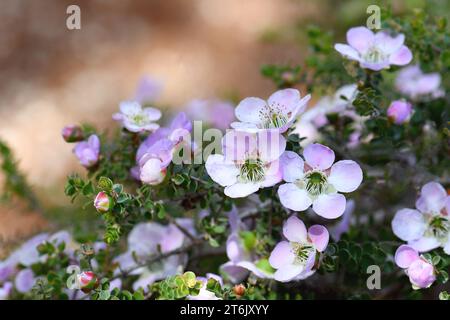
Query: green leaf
[105, 184]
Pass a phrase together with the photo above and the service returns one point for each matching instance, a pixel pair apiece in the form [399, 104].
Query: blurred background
[51, 76]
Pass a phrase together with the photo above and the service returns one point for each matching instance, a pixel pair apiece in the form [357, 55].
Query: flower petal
[250, 266]
[288, 272]
[405, 255]
[360, 38]
[24, 280]
[318, 156]
[408, 224]
[286, 100]
[240, 190]
[294, 230]
[294, 198]
[145, 237]
[330, 206]
[401, 57]
[238, 145]
[172, 239]
[281, 255]
[152, 114]
[425, 244]
[245, 126]
[345, 176]
[270, 145]
[222, 172]
[387, 43]
[152, 172]
[319, 236]
[421, 273]
[235, 251]
[130, 107]
[235, 273]
[432, 198]
[447, 247]
[291, 166]
[347, 51]
[248, 110]
[273, 175]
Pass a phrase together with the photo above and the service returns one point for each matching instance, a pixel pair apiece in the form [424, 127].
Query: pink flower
[156, 152]
[278, 112]
[421, 272]
[375, 51]
[317, 181]
[88, 151]
[149, 239]
[72, 133]
[250, 162]
[241, 253]
[428, 227]
[294, 259]
[399, 111]
[411, 81]
[24, 280]
[102, 202]
[137, 119]
[6, 290]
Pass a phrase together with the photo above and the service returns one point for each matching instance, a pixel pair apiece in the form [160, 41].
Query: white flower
[412, 82]
[375, 51]
[137, 119]
[278, 112]
[294, 259]
[428, 227]
[250, 162]
[317, 181]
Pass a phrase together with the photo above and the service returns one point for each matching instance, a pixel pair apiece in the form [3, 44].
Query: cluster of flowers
[254, 157]
[425, 228]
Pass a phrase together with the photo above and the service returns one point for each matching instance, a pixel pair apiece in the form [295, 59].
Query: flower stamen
[252, 170]
[316, 182]
[302, 251]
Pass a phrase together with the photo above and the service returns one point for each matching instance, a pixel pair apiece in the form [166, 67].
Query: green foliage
[15, 182]
[178, 287]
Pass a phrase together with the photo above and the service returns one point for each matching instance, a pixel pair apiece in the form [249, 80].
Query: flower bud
[239, 290]
[72, 133]
[87, 280]
[421, 273]
[88, 151]
[151, 172]
[399, 111]
[102, 202]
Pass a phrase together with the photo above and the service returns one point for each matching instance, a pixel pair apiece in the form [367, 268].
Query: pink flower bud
[399, 111]
[86, 277]
[421, 273]
[102, 202]
[87, 280]
[152, 172]
[72, 133]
